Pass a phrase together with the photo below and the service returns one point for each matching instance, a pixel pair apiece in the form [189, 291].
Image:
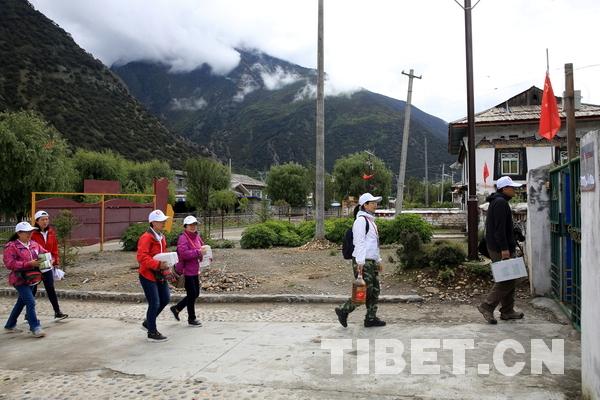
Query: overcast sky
[367, 43]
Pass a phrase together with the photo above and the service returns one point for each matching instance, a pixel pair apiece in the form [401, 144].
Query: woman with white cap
[153, 272]
[366, 260]
[45, 236]
[21, 258]
[189, 252]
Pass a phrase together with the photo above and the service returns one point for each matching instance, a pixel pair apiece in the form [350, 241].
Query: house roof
[245, 180]
[523, 108]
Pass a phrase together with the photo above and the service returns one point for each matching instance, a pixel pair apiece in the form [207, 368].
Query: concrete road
[282, 351]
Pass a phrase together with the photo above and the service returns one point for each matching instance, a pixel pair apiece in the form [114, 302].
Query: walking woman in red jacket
[45, 236]
[153, 272]
[21, 258]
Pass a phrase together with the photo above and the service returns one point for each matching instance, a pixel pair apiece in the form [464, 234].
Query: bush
[335, 229]
[64, 224]
[258, 236]
[446, 274]
[411, 253]
[132, 234]
[306, 231]
[444, 255]
[393, 231]
[173, 236]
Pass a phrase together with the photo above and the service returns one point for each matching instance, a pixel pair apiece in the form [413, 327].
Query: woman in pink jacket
[190, 252]
[21, 258]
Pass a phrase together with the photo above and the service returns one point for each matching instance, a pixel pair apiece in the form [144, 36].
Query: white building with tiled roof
[507, 139]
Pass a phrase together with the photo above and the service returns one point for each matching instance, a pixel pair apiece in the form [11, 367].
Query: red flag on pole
[486, 173]
[549, 118]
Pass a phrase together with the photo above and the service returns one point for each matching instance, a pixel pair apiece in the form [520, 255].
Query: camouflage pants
[371, 277]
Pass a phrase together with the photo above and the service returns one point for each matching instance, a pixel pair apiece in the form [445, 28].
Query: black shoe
[175, 312]
[195, 323]
[374, 322]
[60, 316]
[156, 337]
[145, 326]
[342, 317]
[487, 314]
[511, 315]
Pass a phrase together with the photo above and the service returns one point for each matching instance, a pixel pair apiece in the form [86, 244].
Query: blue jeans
[27, 300]
[158, 296]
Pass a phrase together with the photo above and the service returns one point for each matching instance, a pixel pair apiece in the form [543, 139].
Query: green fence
[565, 227]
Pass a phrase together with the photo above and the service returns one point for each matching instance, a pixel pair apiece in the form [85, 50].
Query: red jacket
[51, 244]
[147, 248]
[17, 257]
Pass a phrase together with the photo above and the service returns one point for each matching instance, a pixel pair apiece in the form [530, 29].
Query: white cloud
[276, 79]
[367, 44]
[188, 104]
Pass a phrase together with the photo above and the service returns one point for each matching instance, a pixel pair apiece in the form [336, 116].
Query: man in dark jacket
[501, 244]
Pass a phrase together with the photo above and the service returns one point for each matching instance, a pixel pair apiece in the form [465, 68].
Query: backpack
[348, 242]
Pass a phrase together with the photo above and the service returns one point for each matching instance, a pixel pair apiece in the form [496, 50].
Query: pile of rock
[214, 280]
[323, 244]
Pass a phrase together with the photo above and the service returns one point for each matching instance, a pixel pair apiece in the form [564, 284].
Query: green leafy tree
[94, 165]
[64, 223]
[222, 200]
[290, 183]
[205, 175]
[34, 157]
[348, 175]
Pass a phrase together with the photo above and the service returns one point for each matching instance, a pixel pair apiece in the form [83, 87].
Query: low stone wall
[449, 218]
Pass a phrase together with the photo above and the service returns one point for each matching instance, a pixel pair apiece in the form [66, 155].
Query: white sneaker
[38, 333]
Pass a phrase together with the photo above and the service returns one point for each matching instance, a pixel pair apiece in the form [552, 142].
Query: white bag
[58, 274]
[207, 257]
[170, 258]
[512, 268]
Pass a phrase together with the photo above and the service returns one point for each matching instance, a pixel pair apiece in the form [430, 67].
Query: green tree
[290, 183]
[222, 200]
[348, 174]
[205, 175]
[34, 157]
[94, 165]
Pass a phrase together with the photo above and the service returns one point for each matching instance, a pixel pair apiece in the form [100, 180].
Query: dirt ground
[278, 271]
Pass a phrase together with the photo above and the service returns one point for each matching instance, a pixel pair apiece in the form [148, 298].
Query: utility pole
[320, 149]
[442, 189]
[472, 210]
[570, 111]
[400, 188]
[426, 176]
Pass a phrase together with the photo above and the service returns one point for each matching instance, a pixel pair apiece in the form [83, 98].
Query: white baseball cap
[24, 227]
[157, 216]
[40, 214]
[366, 197]
[189, 220]
[506, 181]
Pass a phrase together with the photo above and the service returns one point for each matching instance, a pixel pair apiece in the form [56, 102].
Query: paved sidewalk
[267, 350]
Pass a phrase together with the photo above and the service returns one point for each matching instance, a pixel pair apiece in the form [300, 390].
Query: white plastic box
[512, 268]
[170, 258]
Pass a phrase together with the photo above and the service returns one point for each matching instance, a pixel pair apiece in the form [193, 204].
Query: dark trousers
[26, 299]
[502, 293]
[48, 279]
[371, 278]
[192, 291]
[158, 296]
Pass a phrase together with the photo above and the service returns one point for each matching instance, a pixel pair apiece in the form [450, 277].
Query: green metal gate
[565, 227]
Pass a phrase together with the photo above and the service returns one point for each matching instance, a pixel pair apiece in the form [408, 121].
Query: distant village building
[507, 140]
[242, 185]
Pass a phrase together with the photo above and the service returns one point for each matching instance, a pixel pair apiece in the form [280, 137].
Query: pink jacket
[17, 257]
[189, 253]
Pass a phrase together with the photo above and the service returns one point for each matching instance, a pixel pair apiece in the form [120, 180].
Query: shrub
[306, 231]
[335, 229]
[258, 236]
[132, 234]
[446, 255]
[393, 231]
[411, 253]
[173, 236]
[64, 224]
[446, 274]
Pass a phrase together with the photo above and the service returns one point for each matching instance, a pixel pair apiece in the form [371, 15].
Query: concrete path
[274, 351]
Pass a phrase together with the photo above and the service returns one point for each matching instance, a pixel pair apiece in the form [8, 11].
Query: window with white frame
[509, 163]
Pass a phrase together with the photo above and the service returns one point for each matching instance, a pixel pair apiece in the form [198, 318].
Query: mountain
[43, 69]
[263, 112]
